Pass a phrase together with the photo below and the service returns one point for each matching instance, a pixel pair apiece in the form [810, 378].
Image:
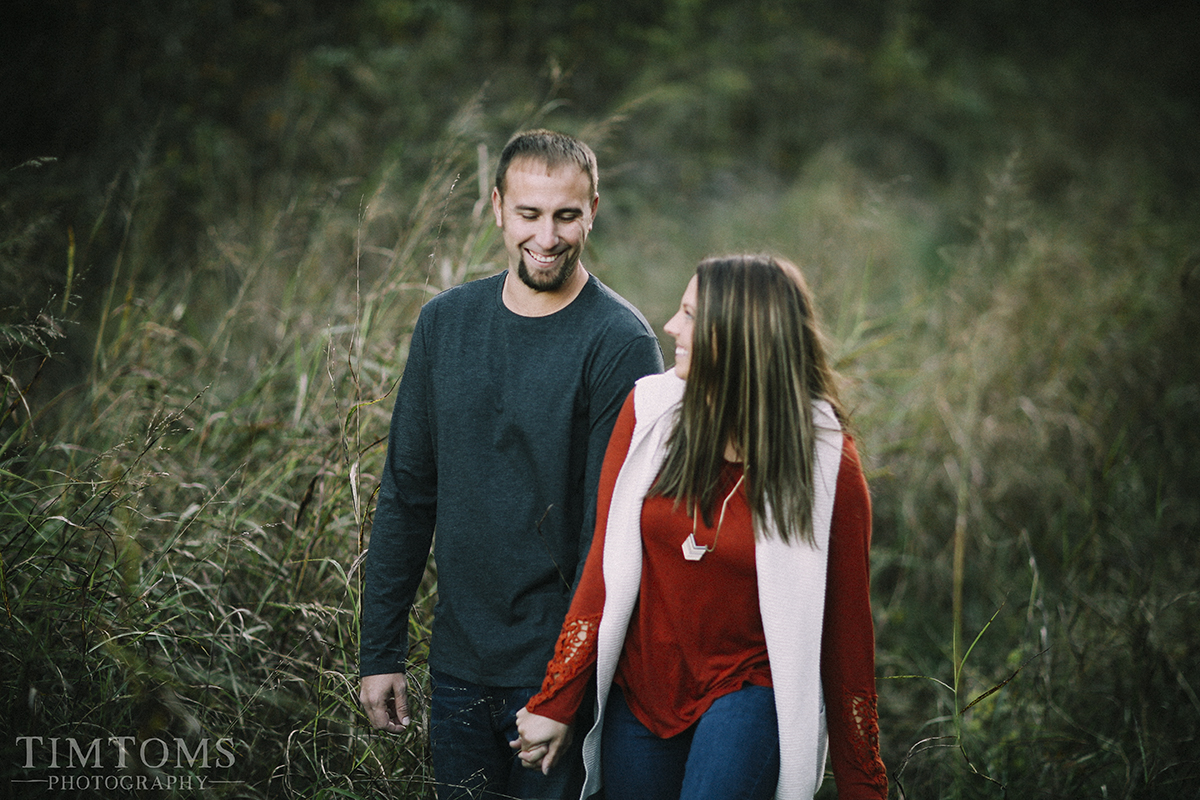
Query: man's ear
[497, 202]
[595, 205]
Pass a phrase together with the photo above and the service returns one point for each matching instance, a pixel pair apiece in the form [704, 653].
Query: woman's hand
[540, 740]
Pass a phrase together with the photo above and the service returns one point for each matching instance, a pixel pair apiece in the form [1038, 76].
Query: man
[503, 414]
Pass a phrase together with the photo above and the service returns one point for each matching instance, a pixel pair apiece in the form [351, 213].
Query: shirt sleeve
[574, 662]
[848, 641]
[609, 389]
[402, 530]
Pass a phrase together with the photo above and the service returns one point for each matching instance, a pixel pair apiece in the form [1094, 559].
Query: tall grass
[1034, 493]
[182, 537]
[182, 532]
[1016, 370]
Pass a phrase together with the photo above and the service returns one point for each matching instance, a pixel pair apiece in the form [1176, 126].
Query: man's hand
[541, 740]
[385, 699]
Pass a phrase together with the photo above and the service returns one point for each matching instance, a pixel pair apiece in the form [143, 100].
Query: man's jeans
[731, 753]
[470, 728]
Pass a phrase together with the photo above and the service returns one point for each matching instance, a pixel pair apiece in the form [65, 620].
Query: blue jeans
[470, 728]
[731, 753]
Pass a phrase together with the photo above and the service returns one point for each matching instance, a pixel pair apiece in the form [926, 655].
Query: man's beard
[550, 282]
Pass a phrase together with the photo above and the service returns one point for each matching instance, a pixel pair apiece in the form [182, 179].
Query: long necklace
[693, 551]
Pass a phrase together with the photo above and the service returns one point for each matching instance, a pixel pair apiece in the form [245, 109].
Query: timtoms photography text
[124, 762]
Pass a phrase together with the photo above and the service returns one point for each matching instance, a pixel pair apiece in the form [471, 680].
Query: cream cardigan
[791, 588]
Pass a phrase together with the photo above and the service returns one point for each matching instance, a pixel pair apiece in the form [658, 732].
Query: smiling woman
[729, 665]
[680, 326]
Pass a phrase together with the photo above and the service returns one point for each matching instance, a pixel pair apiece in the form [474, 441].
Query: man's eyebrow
[563, 210]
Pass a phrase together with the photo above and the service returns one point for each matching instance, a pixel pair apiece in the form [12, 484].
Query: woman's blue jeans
[470, 728]
[731, 753]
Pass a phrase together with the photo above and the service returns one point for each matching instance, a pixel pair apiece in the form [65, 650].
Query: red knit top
[696, 633]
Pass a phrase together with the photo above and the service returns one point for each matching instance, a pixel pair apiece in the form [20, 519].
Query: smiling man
[501, 421]
[545, 213]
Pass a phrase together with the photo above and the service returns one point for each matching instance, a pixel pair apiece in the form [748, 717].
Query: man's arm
[398, 550]
[609, 389]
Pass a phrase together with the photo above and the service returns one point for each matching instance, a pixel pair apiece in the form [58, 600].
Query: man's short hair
[551, 148]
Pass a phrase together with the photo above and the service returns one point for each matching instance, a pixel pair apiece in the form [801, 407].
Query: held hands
[385, 699]
[541, 740]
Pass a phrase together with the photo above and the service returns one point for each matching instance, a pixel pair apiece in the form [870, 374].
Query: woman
[724, 608]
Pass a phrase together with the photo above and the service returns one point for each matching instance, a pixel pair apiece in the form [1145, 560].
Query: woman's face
[680, 326]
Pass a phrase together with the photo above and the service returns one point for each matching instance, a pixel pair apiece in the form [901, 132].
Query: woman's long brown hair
[757, 363]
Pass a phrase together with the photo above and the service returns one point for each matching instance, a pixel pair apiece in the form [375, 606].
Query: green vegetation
[209, 275]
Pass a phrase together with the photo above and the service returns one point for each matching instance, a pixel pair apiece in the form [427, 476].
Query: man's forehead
[564, 170]
[534, 182]
[537, 163]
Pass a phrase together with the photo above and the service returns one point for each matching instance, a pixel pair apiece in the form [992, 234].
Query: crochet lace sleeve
[568, 672]
[862, 771]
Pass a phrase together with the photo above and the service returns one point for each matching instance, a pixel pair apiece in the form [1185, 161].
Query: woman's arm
[544, 723]
[848, 640]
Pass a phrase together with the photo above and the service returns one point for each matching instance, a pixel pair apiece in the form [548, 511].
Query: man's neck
[525, 301]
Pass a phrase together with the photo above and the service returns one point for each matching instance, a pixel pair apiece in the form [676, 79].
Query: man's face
[545, 216]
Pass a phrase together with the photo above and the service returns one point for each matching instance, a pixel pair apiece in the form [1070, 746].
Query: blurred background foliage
[218, 220]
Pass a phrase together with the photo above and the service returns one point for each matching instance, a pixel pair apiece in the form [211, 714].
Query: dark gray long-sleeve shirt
[497, 439]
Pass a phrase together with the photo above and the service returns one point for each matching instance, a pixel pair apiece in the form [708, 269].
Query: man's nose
[547, 233]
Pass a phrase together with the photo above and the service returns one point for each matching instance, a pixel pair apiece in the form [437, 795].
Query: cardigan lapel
[791, 595]
[654, 401]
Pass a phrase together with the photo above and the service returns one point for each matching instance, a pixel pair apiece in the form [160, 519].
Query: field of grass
[192, 425]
